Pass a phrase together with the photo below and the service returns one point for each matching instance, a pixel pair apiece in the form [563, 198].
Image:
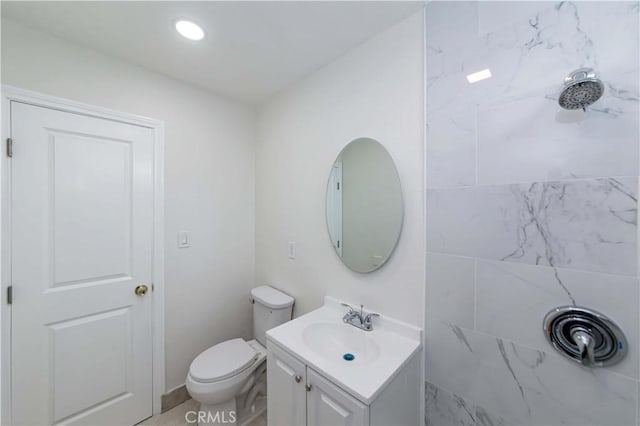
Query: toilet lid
[222, 360]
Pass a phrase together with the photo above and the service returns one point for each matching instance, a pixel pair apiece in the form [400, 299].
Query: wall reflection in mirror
[364, 205]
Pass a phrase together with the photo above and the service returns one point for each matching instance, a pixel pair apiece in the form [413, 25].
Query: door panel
[82, 223]
[91, 190]
[327, 405]
[106, 339]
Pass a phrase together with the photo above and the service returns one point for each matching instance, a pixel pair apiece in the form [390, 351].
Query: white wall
[375, 91]
[209, 181]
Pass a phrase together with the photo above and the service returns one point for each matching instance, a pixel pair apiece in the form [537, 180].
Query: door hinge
[10, 295]
[338, 243]
[338, 186]
[9, 147]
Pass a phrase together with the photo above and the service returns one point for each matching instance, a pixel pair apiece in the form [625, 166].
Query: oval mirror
[364, 205]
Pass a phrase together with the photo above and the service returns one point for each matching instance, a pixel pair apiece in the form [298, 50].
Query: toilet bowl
[221, 373]
[229, 379]
[213, 379]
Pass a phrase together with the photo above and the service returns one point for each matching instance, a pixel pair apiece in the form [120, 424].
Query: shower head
[581, 89]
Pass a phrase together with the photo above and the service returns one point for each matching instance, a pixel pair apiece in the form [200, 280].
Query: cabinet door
[328, 405]
[286, 399]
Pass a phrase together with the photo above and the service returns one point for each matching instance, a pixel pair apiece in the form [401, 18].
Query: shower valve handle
[585, 343]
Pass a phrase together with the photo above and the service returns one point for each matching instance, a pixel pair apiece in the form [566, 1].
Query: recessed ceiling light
[188, 29]
[480, 75]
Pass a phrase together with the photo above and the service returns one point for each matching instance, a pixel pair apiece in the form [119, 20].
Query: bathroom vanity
[322, 371]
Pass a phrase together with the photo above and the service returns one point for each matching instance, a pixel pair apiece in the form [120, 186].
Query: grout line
[475, 294]
[638, 403]
[477, 147]
[450, 255]
[533, 265]
[529, 182]
[471, 401]
[548, 351]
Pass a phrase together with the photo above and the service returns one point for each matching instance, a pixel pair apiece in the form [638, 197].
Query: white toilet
[229, 379]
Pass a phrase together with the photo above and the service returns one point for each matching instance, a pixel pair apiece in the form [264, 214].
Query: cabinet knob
[307, 387]
[298, 378]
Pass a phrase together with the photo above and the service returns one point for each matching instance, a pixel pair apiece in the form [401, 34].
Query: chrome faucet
[351, 315]
[359, 319]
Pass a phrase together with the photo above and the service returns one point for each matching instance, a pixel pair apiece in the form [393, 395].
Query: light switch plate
[183, 239]
[292, 250]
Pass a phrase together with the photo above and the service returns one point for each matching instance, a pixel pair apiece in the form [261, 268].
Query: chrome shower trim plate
[608, 345]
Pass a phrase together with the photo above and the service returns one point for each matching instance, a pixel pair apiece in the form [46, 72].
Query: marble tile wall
[529, 207]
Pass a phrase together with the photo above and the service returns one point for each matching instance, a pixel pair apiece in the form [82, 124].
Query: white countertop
[362, 378]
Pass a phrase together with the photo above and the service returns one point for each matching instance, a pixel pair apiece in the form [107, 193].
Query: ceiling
[251, 49]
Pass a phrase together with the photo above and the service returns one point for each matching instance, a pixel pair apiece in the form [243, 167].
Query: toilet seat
[222, 361]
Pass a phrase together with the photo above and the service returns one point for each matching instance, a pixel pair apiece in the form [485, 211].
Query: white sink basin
[320, 339]
[333, 340]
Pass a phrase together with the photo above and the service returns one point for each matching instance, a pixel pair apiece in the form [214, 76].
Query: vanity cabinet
[286, 396]
[297, 395]
[311, 382]
[327, 404]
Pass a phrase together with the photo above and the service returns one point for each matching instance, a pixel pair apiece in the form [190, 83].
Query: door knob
[308, 388]
[298, 378]
[141, 290]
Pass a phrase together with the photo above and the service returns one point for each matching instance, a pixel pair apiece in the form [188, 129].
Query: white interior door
[81, 241]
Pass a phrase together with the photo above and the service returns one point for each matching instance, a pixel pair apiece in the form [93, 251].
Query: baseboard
[174, 397]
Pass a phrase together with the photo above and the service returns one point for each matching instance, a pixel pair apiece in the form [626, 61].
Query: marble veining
[505, 357]
[588, 224]
[545, 35]
[529, 206]
[542, 204]
[445, 409]
[460, 335]
[532, 291]
[483, 418]
[537, 47]
[541, 356]
[515, 382]
[522, 133]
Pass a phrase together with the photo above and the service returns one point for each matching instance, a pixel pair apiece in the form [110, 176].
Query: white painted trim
[5, 270]
[12, 93]
[158, 271]
[9, 94]
[423, 368]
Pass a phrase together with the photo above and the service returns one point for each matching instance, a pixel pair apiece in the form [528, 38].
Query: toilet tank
[271, 308]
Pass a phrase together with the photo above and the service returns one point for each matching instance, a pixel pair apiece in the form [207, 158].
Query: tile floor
[176, 416]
